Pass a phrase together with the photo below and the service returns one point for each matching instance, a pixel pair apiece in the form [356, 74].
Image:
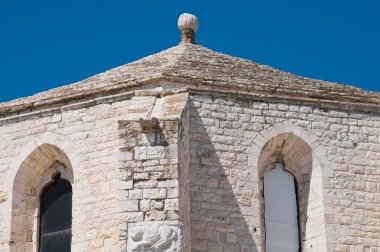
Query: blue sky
[46, 44]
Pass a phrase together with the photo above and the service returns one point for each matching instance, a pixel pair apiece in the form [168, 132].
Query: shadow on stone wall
[217, 221]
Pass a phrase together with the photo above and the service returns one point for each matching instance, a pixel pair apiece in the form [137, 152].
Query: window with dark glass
[56, 216]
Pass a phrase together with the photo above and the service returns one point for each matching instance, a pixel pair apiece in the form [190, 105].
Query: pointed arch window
[56, 216]
[281, 211]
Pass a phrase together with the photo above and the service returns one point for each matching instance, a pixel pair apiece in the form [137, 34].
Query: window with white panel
[281, 211]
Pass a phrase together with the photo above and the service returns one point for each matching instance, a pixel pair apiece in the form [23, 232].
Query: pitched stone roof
[197, 65]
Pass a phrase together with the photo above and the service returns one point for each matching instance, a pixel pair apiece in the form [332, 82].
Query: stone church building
[191, 150]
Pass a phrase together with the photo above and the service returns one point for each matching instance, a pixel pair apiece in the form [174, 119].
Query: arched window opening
[281, 211]
[56, 216]
[303, 164]
[31, 177]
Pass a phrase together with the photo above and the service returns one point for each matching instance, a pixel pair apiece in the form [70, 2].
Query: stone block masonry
[85, 142]
[84, 139]
[154, 175]
[153, 185]
[135, 163]
[169, 153]
[228, 137]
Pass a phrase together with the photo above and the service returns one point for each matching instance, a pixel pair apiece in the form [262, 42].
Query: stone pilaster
[154, 180]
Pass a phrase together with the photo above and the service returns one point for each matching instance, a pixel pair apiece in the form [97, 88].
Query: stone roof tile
[197, 65]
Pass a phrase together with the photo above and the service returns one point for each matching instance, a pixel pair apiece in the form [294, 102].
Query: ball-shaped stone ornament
[188, 21]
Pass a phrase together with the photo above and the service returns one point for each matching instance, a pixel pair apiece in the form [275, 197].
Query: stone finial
[188, 24]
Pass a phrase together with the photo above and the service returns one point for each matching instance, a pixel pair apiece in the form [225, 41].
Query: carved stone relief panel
[154, 236]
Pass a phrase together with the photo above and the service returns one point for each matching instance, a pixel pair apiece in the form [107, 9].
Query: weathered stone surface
[158, 236]
[168, 154]
[233, 140]
[190, 65]
[188, 24]
[151, 156]
[188, 21]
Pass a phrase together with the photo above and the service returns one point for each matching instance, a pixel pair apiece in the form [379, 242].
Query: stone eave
[26, 105]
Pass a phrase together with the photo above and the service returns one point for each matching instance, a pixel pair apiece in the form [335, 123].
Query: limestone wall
[86, 142]
[233, 140]
[150, 187]
[134, 160]
[184, 177]
[82, 141]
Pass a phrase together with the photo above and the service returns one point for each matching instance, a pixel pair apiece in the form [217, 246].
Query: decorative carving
[188, 24]
[154, 237]
[188, 21]
[3, 198]
[149, 124]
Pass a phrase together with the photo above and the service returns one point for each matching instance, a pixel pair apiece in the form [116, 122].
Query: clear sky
[46, 44]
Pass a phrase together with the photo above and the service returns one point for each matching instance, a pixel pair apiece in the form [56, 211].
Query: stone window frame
[321, 174]
[57, 148]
